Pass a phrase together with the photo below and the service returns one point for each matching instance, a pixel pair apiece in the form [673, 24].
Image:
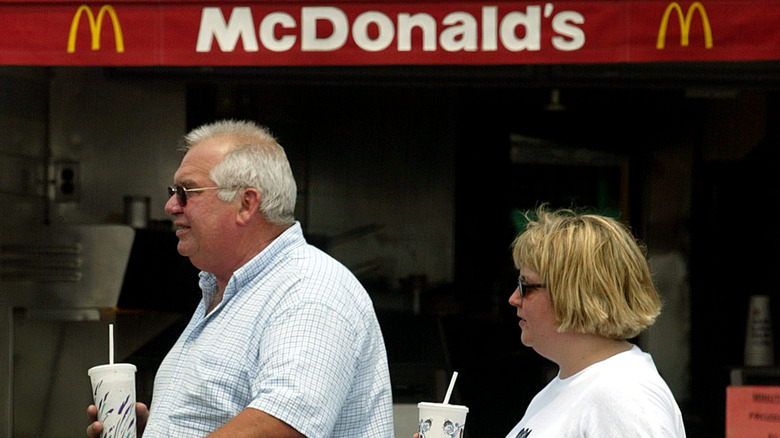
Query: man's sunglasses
[181, 192]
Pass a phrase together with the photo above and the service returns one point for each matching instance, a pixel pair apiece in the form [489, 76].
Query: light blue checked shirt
[295, 336]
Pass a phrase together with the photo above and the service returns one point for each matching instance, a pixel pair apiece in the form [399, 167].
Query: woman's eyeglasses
[524, 287]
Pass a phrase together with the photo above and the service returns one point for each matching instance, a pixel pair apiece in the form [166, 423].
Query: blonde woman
[584, 291]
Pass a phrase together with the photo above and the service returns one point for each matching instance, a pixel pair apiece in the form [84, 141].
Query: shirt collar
[291, 238]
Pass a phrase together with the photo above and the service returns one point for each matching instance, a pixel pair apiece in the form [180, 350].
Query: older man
[285, 341]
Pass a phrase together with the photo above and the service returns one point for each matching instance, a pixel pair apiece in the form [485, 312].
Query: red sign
[753, 412]
[266, 33]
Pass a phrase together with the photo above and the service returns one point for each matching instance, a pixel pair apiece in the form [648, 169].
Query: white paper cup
[759, 340]
[438, 420]
[113, 390]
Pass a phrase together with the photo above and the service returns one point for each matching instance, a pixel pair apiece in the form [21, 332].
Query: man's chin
[184, 249]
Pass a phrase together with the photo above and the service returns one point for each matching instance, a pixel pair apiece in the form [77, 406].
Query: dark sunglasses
[181, 192]
[525, 287]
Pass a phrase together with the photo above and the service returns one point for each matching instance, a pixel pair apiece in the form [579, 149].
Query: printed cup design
[113, 390]
[438, 420]
[450, 429]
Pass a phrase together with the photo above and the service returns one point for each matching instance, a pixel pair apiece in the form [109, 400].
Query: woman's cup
[440, 420]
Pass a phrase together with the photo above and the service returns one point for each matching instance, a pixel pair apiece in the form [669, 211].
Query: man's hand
[94, 429]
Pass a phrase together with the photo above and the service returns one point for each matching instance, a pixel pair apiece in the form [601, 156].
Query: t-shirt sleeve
[633, 410]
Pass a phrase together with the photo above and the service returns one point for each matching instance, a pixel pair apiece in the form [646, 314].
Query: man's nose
[173, 205]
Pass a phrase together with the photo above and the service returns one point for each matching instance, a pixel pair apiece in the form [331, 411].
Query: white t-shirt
[622, 396]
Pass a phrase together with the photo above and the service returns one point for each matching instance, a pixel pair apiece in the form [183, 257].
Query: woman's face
[536, 313]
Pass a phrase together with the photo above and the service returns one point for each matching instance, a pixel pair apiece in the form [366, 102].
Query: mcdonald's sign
[386, 32]
[685, 24]
[95, 27]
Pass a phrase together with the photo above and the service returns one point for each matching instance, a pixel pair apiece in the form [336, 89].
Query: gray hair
[256, 160]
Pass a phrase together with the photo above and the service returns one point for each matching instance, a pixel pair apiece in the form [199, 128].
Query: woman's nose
[516, 299]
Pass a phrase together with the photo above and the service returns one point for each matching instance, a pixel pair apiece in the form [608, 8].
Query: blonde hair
[594, 269]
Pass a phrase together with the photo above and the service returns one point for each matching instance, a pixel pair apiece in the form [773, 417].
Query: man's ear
[249, 206]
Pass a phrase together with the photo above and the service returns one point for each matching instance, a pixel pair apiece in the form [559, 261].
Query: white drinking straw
[449, 390]
[111, 344]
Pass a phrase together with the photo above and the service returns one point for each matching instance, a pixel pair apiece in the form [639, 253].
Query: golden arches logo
[95, 26]
[685, 24]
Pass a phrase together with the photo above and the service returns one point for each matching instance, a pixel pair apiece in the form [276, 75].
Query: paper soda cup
[113, 390]
[759, 339]
[439, 420]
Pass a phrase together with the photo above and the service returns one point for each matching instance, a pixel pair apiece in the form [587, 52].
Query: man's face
[202, 223]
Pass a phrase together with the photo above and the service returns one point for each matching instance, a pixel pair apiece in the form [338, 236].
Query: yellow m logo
[685, 24]
[95, 26]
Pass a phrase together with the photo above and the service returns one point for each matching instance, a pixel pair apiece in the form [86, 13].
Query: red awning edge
[352, 32]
